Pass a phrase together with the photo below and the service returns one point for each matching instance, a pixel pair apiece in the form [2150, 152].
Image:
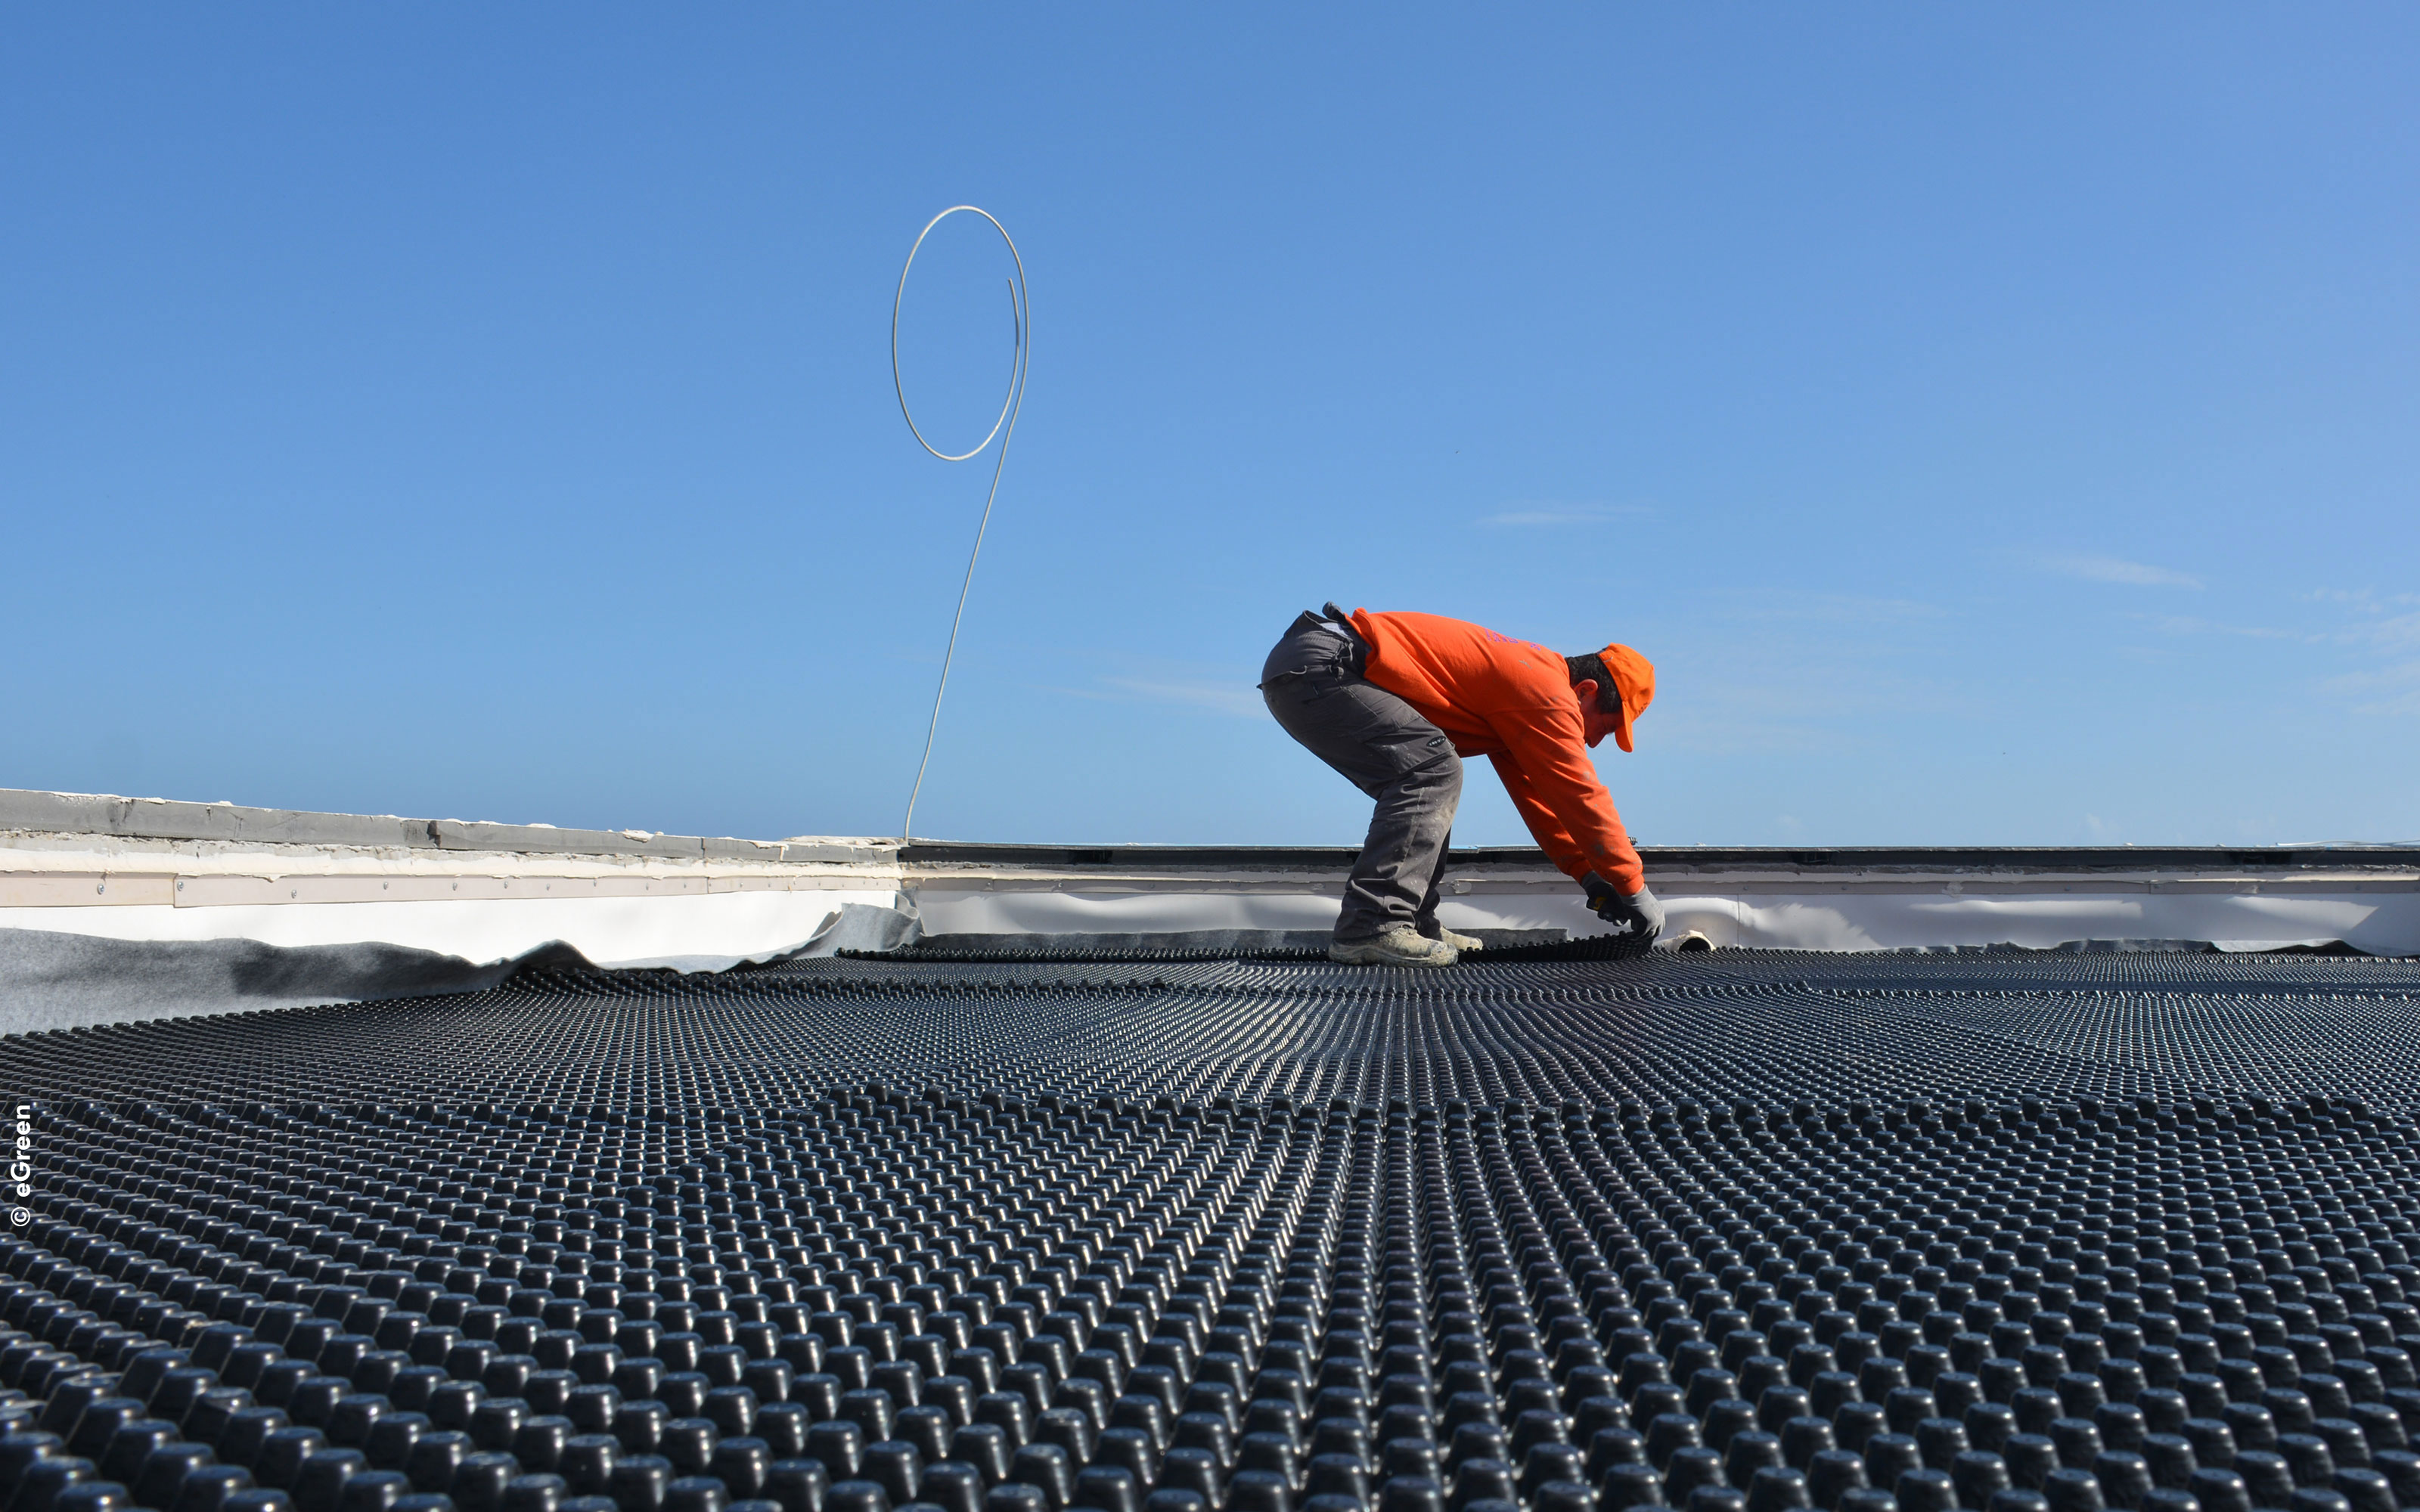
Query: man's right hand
[1634, 917]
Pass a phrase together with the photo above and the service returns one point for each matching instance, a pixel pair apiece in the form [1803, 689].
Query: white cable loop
[1004, 428]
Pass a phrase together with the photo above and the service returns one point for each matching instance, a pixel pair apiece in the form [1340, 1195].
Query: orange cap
[1635, 676]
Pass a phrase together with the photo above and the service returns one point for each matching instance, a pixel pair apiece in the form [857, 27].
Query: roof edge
[28, 810]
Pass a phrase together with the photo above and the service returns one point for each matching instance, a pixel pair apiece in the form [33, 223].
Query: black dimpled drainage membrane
[1736, 1232]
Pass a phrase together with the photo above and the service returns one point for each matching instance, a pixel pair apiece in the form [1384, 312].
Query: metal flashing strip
[86, 889]
[1779, 858]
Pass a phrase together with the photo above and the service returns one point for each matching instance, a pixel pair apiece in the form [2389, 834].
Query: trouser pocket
[1368, 734]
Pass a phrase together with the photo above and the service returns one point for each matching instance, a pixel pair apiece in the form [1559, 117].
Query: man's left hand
[1636, 917]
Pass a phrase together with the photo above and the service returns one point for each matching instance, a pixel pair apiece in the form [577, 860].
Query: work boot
[1463, 944]
[1395, 945]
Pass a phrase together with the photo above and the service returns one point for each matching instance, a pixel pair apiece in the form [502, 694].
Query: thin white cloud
[1219, 698]
[1831, 608]
[1543, 512]
[2387, 690]
[1190, 684]
[2117, 570]
[2361, 600]
[1830, 707]
[2401, 633]
[2189, 624]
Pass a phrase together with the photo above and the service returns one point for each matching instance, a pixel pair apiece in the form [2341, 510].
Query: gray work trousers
[1313, 683]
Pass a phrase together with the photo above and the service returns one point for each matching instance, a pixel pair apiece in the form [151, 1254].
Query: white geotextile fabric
[2381, 923]
[707, 932]
[110, 966]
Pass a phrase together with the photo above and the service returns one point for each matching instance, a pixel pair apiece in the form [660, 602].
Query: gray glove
[1636, 915]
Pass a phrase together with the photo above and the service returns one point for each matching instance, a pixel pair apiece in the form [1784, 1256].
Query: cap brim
[1621, 727]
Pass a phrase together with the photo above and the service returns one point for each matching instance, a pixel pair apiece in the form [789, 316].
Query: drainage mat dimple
[1736, 1232]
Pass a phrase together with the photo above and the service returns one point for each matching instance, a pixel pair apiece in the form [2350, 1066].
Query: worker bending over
[1395, 701]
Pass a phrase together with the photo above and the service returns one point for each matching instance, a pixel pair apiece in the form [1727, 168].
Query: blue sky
[1999, 424]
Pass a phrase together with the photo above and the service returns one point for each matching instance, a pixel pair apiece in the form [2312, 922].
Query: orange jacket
[1511, 701]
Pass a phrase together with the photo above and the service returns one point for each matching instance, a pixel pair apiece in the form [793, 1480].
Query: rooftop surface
[1243, 1235]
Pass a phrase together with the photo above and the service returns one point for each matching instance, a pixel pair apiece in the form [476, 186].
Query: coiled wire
[1004, 428]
